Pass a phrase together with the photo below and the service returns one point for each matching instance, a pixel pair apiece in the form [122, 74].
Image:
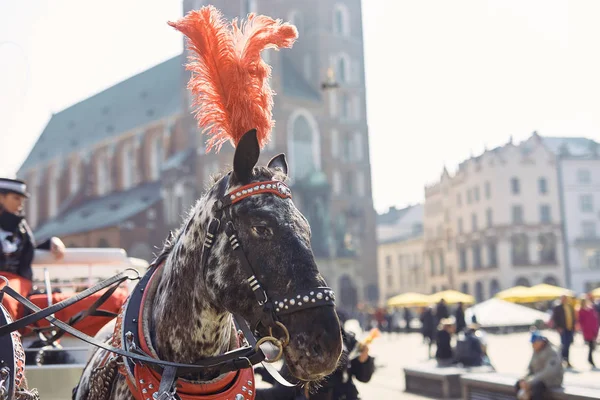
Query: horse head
[275, 238]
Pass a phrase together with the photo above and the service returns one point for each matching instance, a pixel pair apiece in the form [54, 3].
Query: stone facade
[496, 222]
[400, 253]
[579, 178]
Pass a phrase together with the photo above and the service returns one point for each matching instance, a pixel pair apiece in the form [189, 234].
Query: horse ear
[280, 162]
[246, 156]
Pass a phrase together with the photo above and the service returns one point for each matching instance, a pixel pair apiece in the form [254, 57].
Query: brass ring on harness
[286, 340]
[276, 342]
[135, 271]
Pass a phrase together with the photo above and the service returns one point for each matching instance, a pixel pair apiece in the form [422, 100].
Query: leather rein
[236, 360]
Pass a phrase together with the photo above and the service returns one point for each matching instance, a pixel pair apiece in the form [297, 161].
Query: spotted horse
[240, 268]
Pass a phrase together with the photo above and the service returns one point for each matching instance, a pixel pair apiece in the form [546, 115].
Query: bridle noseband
[272, 307]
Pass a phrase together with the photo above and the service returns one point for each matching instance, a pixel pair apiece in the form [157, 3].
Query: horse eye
[262, 231]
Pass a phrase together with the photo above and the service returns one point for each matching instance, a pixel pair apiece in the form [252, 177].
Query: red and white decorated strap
[275, 187]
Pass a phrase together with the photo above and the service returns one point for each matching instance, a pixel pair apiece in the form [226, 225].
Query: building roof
[399, 225]
[102, 212]
[392, 215]
[134, 102]
[572, 146]
[294, 84]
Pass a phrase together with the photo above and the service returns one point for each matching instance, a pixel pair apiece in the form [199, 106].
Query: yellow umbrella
[409, 299]
[596, 292]
[452, 297]
[545, 292]
[517, 294]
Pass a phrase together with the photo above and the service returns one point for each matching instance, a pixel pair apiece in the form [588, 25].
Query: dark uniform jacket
[17, 245]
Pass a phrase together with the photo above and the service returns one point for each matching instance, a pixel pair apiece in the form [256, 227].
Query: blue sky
[444, 78]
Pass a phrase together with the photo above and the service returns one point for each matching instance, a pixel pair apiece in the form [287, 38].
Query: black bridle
[222, 221]
[245, 357]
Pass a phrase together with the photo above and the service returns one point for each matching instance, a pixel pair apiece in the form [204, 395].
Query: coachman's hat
[13, 186]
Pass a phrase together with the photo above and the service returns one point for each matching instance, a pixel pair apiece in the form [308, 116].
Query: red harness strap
[146, 380]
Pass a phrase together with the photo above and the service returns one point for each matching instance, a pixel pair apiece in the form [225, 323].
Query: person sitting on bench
[545, 370]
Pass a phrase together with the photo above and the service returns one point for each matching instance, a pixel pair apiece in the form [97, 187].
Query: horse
[203, 280]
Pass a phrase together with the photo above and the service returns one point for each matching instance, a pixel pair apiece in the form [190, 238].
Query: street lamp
[331, 82]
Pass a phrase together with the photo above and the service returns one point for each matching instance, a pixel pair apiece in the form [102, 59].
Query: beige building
[400, 252]
[495, 223]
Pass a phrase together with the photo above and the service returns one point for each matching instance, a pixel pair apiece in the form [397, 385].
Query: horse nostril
[316, 348]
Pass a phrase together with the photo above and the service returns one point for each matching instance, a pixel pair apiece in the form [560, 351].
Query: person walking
[588, 321]
[428, 327]
[563, 317]
[459, 314]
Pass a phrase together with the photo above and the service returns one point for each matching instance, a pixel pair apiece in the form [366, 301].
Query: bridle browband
[272, 307]
[245, 357]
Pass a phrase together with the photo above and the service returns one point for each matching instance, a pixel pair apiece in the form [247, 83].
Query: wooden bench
[493, 386]
[439, 382]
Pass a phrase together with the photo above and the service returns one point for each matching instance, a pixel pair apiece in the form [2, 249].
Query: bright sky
[444, 78]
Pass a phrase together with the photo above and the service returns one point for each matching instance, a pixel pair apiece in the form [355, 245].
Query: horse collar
[144, 381]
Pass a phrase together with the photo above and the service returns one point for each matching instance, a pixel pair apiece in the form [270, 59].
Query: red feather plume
[229, 78]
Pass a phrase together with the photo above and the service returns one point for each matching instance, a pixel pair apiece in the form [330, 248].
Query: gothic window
[442, 264]
[156, 157]
[342, 68]
[53, 192]
[341, 20]
[432, 264]
[547, 248]
[303, 145]
[488, 217]
[75, 176]
[520, 249]
[488, 190]
[103, 179]
[474, 222]
[127, 165]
